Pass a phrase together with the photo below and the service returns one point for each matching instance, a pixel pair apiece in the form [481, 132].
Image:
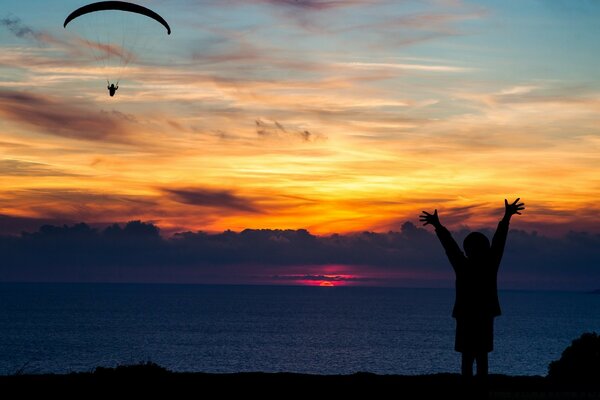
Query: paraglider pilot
[112, 89]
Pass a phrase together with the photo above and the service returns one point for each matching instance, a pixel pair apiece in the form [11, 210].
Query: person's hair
[476, 244]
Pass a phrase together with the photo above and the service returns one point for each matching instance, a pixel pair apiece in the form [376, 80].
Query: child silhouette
[476, 303]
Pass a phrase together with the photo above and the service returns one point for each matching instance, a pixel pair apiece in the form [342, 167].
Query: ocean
[61, 328]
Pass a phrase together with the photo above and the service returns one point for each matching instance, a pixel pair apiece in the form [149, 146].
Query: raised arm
[455, 255]
[499, 239]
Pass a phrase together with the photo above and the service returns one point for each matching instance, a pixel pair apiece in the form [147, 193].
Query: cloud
[407, 29]
[404, 66]
[27, 168]
[315, 5]
[321, 278]
[105, 51]
[306, 5]
[337, 17]
[10, 224]
[80, 251]
[274, 129]
[19, 29]
[61, 117]
[63, 205]
[456, 216]
[212, 198]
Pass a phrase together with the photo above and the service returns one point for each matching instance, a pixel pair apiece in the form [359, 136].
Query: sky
[337, 117]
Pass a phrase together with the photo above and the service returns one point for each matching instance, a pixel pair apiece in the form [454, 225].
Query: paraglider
[116, 33]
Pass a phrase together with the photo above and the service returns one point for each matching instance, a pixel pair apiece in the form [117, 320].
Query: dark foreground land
[150, 379]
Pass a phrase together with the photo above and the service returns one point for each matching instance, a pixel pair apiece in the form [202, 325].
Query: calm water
[75, 327]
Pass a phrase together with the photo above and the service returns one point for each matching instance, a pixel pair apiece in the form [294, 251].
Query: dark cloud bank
[136, 252]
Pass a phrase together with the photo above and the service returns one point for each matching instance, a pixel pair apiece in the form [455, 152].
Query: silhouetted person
[476, 303]
[112, 89]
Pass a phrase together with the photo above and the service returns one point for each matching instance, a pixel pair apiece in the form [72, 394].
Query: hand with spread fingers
[430, 219]
[513, 208]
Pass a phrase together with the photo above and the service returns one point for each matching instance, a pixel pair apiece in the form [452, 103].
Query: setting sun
[329, 279]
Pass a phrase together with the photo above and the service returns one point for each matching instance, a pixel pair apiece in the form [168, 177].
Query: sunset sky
[327, 115]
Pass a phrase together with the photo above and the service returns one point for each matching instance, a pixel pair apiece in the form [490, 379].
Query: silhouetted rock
[580, 362]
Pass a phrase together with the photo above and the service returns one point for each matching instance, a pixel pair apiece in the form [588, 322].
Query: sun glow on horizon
[325, 280]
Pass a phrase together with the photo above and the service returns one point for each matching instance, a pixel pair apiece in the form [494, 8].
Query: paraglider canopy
[116, 34]
[117, 5]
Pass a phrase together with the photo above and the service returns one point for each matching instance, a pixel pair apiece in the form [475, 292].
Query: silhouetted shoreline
[151, 378]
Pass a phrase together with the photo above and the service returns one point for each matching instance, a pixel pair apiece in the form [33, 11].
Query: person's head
[476, 245]
[112, 85]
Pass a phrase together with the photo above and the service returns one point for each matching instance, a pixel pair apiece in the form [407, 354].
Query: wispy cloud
[517, 90]
[213, 198]
[405, 67]
[274, 129]
[27, 168]
[76, 204]
[60, 117]
[315, 5]
[105, 51]
[21, 30]
[306, 5]
[17, 27]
